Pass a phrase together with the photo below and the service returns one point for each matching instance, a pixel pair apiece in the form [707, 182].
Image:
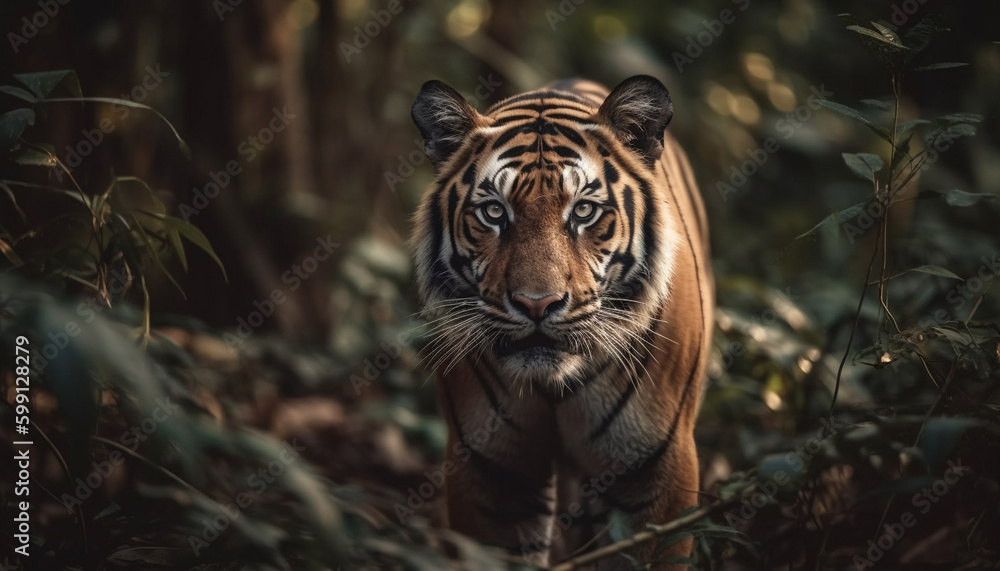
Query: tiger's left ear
[444, 118]
[638, 110]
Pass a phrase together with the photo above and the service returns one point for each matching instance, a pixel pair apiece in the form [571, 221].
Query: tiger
[562, 261]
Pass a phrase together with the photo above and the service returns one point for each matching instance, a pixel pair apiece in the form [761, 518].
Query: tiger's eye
[583, 210]
[494, 211]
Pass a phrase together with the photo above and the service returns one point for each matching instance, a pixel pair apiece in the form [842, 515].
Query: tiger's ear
[638, 110]
[444, 118]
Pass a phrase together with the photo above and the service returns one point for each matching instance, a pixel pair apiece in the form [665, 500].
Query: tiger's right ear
[444, 118]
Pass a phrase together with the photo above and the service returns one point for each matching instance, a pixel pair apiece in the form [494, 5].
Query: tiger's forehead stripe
[536, 98]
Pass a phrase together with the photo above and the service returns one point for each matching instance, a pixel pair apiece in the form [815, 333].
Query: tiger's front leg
[657, 492]
[500, 487]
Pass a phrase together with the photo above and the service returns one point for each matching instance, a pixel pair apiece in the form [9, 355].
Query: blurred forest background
[275, 415]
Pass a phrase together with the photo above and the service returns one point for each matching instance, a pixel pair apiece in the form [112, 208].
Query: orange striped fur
[562, 260]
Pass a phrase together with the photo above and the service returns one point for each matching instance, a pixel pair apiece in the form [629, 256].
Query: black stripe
[504, 120]
[614, 412]
[567, 96]
[514, 151]
[565, 152]
[511, 510]
[572, 135]
[582, 120]
[494, 401]
[631, 507]
[506, 137]
[503, 481]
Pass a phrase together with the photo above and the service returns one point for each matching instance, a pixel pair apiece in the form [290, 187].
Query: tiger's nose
[537, 307]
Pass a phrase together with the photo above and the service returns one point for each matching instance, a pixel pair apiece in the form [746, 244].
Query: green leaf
[887, 33]
[920, 35]
[835, 218]
[939, 437]
[893, 43]
[181, 143]
[36, 158]
[195, 236]
[842, 109]
[957, 197]
[776, 467]
[12, 124]
[855, 114]
[934, 66]
[43, 83]
[847, 18]
[865, 165]
[907, 126]
[878, 104]
[952, 132]
[961, 118]
[620, 526]
[935, 271]
[178, 246]
[145, 242]
[18, 92]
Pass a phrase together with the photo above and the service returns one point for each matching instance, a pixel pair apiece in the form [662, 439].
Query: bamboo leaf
[192, 234]
[182, 144]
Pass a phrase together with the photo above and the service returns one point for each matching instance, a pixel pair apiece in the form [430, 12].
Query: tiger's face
[542, 246]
